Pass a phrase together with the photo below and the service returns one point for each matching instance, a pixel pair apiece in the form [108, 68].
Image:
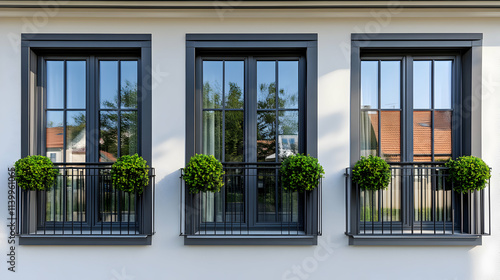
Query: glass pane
[422, 136]
[75, 194]
[390, 84]
[128, 84]
[76, 86]
[234, 136]
[54, 201]
[369, 84]
[369, 133]
[369, 203]
[289, 206]
[266, 84]
[54, 136]
[266, 195]
[212, 133]
[128, 133]
[288, 138]
[108, 84]
[75, 136]
[390, 135]
[422, 193]
[422, 84]
[442, 135]
[391, 198]
[235, 85]
[108, 141]
[127, 207]
[442, 84]
[288, 82]
[212, 84]
[235, 196]
[266, 136]
[55, 84]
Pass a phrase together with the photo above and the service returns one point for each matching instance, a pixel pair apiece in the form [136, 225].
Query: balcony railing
[252, 202]
[418, 201]
[83, 202]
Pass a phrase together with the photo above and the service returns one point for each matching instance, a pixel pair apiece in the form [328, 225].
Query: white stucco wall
[168, 258]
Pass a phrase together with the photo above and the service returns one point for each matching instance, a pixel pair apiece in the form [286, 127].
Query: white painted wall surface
[168, 258]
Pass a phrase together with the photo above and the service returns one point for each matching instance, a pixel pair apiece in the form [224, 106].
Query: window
[90, 104]
[411, 104]
[250, 111]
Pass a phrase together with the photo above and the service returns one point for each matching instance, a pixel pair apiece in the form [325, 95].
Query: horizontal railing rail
[252, 202]
[419, 200]
[83, 201]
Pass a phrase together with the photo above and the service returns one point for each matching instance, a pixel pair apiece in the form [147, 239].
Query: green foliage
[468, 173]
[301, 173]
[130, 174]
[371, 173]
[203, 173]
[35, 173]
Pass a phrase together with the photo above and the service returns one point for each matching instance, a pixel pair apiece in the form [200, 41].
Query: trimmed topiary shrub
[35, 173]
[371, 173]
[301, 173]
[468, 173]
[130, 174]
[203, 173]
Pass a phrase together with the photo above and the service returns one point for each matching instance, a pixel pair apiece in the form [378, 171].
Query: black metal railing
[252, 202]
[83, 201]
[419, 200]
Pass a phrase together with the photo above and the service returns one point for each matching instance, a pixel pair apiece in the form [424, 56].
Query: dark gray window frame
[469, 45]
[306, 43]
[33, 45]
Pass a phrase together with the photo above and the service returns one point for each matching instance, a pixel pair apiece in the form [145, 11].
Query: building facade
[250, 82]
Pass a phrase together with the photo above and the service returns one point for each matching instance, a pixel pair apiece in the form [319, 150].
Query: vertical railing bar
[434, 193]
[445, 200]
[393, 175]
[421, 213]
[461, 212]
[481, 211]
[489, 207]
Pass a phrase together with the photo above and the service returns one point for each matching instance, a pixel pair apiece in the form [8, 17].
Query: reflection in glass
[422, 136]
[115, 205]
[442, 84]
[288, 81]
[369, 84]
[68, 192]
[108, 136]
[288, 129]
[75, 136]
[76, 84]
[442, 135]
[55, 84]
[128, 84]
[431, 192]
[212, 84]
[386, 208]
[212, 134]
[266, 84]
[108, 84]
[128, 133]
[234, 136]
[234, 84]
[390, 84]
[266, 196]
[54, 136]
[390, 135]
[369, 133]
[422, 84]
[266, 136]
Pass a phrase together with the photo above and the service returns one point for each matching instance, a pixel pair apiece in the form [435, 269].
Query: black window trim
[252, 42]
[33, 44]
[470, 47]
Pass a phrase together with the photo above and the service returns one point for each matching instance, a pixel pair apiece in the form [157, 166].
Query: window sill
[85, 240]
[250, 240]
[415, 240]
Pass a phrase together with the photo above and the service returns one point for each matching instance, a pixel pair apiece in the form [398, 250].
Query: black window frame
[467, 50]
[34, 47]
[260, 45]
